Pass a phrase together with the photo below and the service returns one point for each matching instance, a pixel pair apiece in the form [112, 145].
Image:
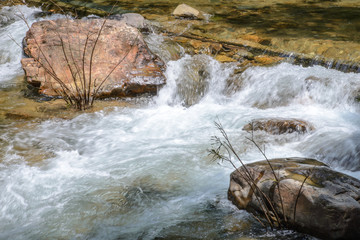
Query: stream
[143, 171]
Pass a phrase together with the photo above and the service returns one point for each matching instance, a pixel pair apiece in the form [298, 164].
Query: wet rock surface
[121, 57]
[193, 83]
[185, 11]
[279, 126]
[133, 19]
[328, 205]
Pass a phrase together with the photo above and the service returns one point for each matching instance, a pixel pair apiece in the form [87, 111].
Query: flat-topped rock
[121, 56]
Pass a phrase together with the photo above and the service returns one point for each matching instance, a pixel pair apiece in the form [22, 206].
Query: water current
[143, 172]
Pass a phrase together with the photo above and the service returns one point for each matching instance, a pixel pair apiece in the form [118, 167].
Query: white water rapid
[144, 172]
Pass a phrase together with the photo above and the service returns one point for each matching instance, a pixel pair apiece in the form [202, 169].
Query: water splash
[12, 32]
[286, 84]
[193, 79]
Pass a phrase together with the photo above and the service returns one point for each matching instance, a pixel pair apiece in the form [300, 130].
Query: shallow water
[144, 172]
[320, 32]
[336, 20]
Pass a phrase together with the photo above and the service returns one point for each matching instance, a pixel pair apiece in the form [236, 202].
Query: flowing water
[143, 172]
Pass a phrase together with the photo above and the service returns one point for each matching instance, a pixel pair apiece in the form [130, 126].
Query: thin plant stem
[300, 191]
[259, 194]
[272, 169]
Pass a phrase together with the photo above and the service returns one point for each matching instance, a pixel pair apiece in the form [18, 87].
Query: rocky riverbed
[138, 167]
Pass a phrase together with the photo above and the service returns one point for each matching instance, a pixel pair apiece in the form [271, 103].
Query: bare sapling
[273, 217]
[224, 151]
[262, 151]
[81, 90]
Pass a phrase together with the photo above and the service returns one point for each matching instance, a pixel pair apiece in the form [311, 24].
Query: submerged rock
[185, 11]
[267, 60]
[193, 81]
[243, 53]
[328, 205]
[133, 19]
[224, 58]
[121, 56]
[279, 126]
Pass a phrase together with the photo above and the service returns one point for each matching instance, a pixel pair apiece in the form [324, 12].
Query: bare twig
[300, 192]
[264, 201]
[92, 55]
[271, 167]
[96, 89]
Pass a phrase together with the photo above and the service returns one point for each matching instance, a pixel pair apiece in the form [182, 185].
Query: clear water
[338, 20]
[144, 172]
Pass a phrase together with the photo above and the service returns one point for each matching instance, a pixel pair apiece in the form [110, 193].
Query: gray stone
[279, 126]
[135, 20]
[185, 11]
[327, 207]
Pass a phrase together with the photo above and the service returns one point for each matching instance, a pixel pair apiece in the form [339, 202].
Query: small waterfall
[12, 32]
[286, 84]
[193, 79]
[12, 27]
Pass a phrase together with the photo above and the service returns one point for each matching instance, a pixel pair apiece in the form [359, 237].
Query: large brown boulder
[120, 50]
[328, 205]
[279, 126]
